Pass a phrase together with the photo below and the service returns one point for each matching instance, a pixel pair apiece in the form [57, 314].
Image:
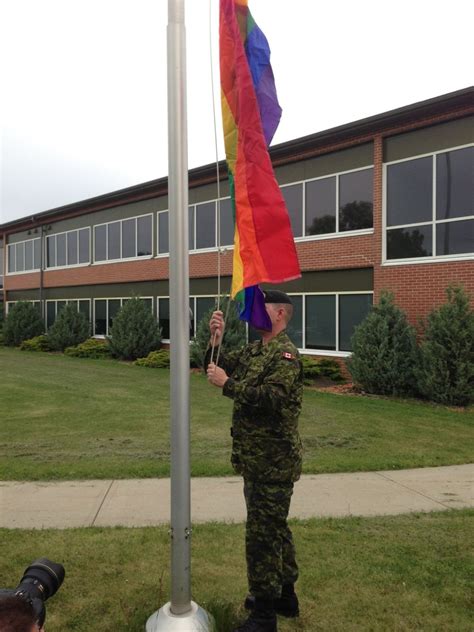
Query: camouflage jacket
[266, 384]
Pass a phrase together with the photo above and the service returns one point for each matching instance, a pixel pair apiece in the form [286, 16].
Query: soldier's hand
[216, 325]
[216, 375]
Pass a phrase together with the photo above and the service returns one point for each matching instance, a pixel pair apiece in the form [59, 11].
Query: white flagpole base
[196, 620]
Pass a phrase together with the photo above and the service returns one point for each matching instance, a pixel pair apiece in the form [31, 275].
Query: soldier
[265, 380]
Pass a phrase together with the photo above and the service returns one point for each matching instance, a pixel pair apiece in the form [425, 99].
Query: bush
[384, 351]
[38, 343]
[135, 331]
[312, 369]
[445, 371]
[69, 329]
[234, 333]
[22, 323]
[155, 360]
[91, 348]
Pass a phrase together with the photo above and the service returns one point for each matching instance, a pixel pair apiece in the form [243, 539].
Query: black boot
[261, 619]
[287, 605]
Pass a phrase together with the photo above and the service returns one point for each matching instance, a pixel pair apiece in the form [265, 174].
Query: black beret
[275, 296]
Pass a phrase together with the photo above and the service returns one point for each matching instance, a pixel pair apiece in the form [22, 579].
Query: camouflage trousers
[269, 544]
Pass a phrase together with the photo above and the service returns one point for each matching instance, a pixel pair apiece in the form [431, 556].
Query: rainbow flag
[264, 249]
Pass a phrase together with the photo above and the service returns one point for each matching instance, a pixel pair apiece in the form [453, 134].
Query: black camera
[40, 581]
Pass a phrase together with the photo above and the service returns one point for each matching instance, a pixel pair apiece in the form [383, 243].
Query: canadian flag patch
[287, 355]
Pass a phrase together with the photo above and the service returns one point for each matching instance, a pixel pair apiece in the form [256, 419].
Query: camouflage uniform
[266, 384]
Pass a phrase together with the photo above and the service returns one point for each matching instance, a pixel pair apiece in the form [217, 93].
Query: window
[227, 222]
[206, 225]
[321, 206]
[106, 309]
[198, 307]
[130, 238]
[68, 249]
[164, 317]
[293, 195]
[325, 323]
[163, 232]
[53, 308]
[430, 206]
[9, 305]
[24, 256]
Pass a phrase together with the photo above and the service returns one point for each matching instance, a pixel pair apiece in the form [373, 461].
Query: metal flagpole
[180, 614]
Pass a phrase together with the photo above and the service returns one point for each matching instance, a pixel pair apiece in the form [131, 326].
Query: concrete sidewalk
[145, 502]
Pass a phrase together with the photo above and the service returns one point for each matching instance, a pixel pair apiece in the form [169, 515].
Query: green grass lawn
[392, 574]
[66, 418]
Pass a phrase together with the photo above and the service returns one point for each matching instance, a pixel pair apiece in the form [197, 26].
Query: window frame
[120, 259]
[73, 265]
[434, 258]
[8, 255]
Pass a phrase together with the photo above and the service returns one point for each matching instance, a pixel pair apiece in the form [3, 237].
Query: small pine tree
[384, 350]
[445, 371]
[135, 331]
[234, 333]
[69, 329]
[22, 323]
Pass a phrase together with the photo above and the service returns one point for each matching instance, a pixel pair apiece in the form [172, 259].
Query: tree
[22, 323]
[445, 371]
[384, 350]
[135, 331]
[69, 329]
[234, 333]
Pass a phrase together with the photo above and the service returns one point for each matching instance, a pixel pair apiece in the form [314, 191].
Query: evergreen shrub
[22, 323]
[384, 351]
[69, 329]
[135, 331]
[38, 343]
[155, 360]
[445, 371]
[325, 367]
[235, 335]
[92, 348]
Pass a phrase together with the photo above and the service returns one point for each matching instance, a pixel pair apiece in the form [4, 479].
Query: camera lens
[46, 575]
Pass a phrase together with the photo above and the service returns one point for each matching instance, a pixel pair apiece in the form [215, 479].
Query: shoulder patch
[288, 356]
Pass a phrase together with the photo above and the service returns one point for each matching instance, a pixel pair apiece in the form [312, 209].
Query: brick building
[384, 202]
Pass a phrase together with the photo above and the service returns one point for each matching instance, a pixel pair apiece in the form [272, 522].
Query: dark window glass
[144, 236]
[227, 222]
[164, 317]
[206, 225]
[51, 252]
[19, 258]
[84, 245]
[321, 322]
[403, 243]
[72, 248]
[61, 250]
[192, 316]
[203, 305]
[352, 311]
[84, 309]
[11, 259]
[100, 242]
[114, 308]
[28, 255]
[192, 244]
[356, 200]
[454, 183]
[148, 302]
[100, 317]
[37, 254]
[50, 313]
[113, 241]
[129, 238]
[321, 206]
[455, 238]
[295, 326]
[163, 232]
[294, 203]
[60, 305]
[410, 192]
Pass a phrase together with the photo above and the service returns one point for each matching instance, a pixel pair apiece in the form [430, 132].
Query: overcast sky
[83, 108]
